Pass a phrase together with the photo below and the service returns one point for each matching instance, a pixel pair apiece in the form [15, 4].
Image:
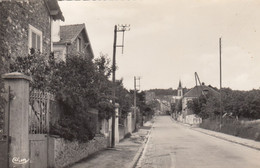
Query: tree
[2, 100]
[79, 84]
[205, 106]
[173, 108]
[179, 105]
[123, 98]
[104, 85]
[242, 104]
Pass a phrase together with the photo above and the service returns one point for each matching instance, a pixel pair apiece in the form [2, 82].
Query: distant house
[26, 27]
[73, 39]
[197, 91]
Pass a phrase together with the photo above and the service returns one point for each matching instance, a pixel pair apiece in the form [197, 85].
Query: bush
[4, 68]
[2, 100]
[79, 84]
[105, 110]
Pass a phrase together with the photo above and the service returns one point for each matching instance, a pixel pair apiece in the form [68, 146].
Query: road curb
[140, 151]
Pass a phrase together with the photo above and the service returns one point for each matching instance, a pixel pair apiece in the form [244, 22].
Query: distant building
[72, 40]
[195, 92]
[179, 94]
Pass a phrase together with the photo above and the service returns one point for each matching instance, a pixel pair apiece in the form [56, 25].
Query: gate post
[117, 124]
[18, 112]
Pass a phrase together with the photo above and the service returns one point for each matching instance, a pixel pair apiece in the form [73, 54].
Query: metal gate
[39, 128]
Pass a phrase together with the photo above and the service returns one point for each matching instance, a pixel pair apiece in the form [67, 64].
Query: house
[197, 91]
[26, 27]
[72, 39]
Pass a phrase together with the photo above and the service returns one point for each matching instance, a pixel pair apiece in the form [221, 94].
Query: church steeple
[179, 84]
[180, 90]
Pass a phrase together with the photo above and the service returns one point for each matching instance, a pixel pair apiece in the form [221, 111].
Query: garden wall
[121, 132]
[66, 152]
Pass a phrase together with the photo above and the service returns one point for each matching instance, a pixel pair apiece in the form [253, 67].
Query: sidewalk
[124, 155]
[242, 141]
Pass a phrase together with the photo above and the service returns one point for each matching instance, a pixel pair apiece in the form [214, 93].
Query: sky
[170, 40]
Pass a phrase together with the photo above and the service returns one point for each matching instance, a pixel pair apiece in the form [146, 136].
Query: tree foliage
[242, 104]
[205, 106]
[79, 84]
[124, 98]
[237, 104]
[169, 91]
[147, 108]
[2, 100]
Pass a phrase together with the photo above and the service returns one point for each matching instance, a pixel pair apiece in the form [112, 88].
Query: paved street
[172, 145]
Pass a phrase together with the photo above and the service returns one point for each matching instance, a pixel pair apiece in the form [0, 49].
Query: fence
[39, 119]
[39, 112]
[30, 114]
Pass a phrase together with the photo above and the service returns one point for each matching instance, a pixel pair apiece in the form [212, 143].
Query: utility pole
[220, 84]
[119, 28]
[135, 90]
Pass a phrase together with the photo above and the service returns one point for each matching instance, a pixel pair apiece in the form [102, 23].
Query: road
[172, 145]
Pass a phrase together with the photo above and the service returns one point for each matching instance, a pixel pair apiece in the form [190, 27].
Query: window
[79, 44]
[34, 40]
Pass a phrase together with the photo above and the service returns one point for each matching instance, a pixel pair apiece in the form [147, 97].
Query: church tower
[180, 90]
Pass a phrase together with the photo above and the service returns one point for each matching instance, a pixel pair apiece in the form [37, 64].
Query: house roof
[69, 33]
[197, 91]
[54, 9]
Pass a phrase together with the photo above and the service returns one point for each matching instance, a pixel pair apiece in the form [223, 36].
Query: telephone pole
[135, 90]
[119, 28]
[220, 81]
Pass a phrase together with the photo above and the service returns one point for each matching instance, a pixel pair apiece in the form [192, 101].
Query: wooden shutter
[34, 45]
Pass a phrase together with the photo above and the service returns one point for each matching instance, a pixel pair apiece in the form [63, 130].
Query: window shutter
[34, 40]
[38, 43]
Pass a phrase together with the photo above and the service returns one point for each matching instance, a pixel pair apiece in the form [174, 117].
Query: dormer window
[79, 44]
[205, 91]
[34, 40]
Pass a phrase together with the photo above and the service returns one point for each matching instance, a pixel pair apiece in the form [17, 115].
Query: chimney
[55, 32]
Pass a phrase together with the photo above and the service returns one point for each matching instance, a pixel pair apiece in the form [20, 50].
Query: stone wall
[14, 27]
[125, 127]
[67, 153]
[121, 132]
